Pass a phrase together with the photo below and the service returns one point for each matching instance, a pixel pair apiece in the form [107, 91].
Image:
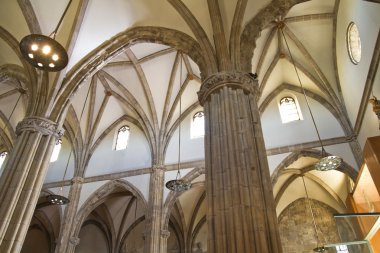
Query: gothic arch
[345, 168]
[173, 196]
[99, 196]
[97, 58]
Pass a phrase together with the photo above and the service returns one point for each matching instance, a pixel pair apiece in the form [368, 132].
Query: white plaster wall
[141, 182]
[275, 160]
[105, 158]
[191, 149]
[277, 134]
[56, 169]
[353, 77]
[87, 190]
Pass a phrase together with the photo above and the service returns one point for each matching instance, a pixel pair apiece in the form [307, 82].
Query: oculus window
[3, 155]
[122, 138]
[57, 149]
[198, 125]
[353, 43]
[289, 110]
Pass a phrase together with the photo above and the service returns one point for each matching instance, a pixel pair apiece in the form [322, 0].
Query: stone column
[64, 244]
[164, 241]
[22, 180]
[241, 213]
[154, 215]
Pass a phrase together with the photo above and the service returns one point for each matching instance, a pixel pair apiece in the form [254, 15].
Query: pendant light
[44, 52]
[326, 163]
[319, 248]
[59, 199]
[178, 184]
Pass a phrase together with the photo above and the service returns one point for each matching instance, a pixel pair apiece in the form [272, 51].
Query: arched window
[3, 155]
[57, 148]
[122, 138]
[289, 110]
[198, 125]
[341, 249]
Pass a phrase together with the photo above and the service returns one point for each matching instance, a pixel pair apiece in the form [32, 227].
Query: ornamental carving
[219, 80]
[41, 125]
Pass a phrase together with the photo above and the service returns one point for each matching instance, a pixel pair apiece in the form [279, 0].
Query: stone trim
[39, 124]
[219, 80]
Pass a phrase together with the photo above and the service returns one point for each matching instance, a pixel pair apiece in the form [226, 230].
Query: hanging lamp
[44, 52]
[59, 199]
[326, 163]
[178, 184]
[319, 248]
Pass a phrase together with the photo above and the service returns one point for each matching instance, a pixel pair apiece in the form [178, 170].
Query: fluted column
[65, 243]
[241, 213]
[164, 241]
[154, 215]
[22, 180]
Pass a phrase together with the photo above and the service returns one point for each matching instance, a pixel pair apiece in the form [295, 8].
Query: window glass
[354, 45]
[198, 125]
[122, 138]
[57, 148]
[289, 110]
[342, 249]
[3, 155]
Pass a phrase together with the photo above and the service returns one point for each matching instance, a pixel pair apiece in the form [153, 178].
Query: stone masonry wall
[297, 229]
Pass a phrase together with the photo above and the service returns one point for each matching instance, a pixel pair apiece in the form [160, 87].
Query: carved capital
[41, 125]
[376, 107]
[74, 241]
[165, 234]
[77, 180]
[237, 80]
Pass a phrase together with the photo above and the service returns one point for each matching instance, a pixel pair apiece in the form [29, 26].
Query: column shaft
[66, 244]
[21, 185]
[21, 182]
[241, 213]
[154, 215]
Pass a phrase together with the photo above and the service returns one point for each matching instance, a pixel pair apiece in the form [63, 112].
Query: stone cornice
[39, 124]
[238, 80]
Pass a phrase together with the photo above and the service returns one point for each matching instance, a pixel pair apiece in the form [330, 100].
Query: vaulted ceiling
[140, 82]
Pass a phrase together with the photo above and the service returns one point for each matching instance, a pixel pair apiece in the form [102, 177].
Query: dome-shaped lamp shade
[178, 185]
[328, 163]
[58, 199]
[44, 52]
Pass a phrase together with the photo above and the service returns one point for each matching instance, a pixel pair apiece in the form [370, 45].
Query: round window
[353, 43]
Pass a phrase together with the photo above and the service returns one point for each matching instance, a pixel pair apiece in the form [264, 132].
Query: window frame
[193, 126]
[286, 115]
[55, 154]
[5, 155]
[128, 129]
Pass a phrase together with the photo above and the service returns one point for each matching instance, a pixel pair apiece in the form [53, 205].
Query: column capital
[77, 180]
[158, 167]
[165, 234]
[39, 124]
[74, 241]
[239, 80]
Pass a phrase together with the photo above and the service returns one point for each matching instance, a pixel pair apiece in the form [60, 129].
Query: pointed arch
[99, 196]
[98, 57]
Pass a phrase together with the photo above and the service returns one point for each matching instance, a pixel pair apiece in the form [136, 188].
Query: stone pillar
[65, 244]
[22, 180]
[241, 213]
[154, 215]
[164, 241]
